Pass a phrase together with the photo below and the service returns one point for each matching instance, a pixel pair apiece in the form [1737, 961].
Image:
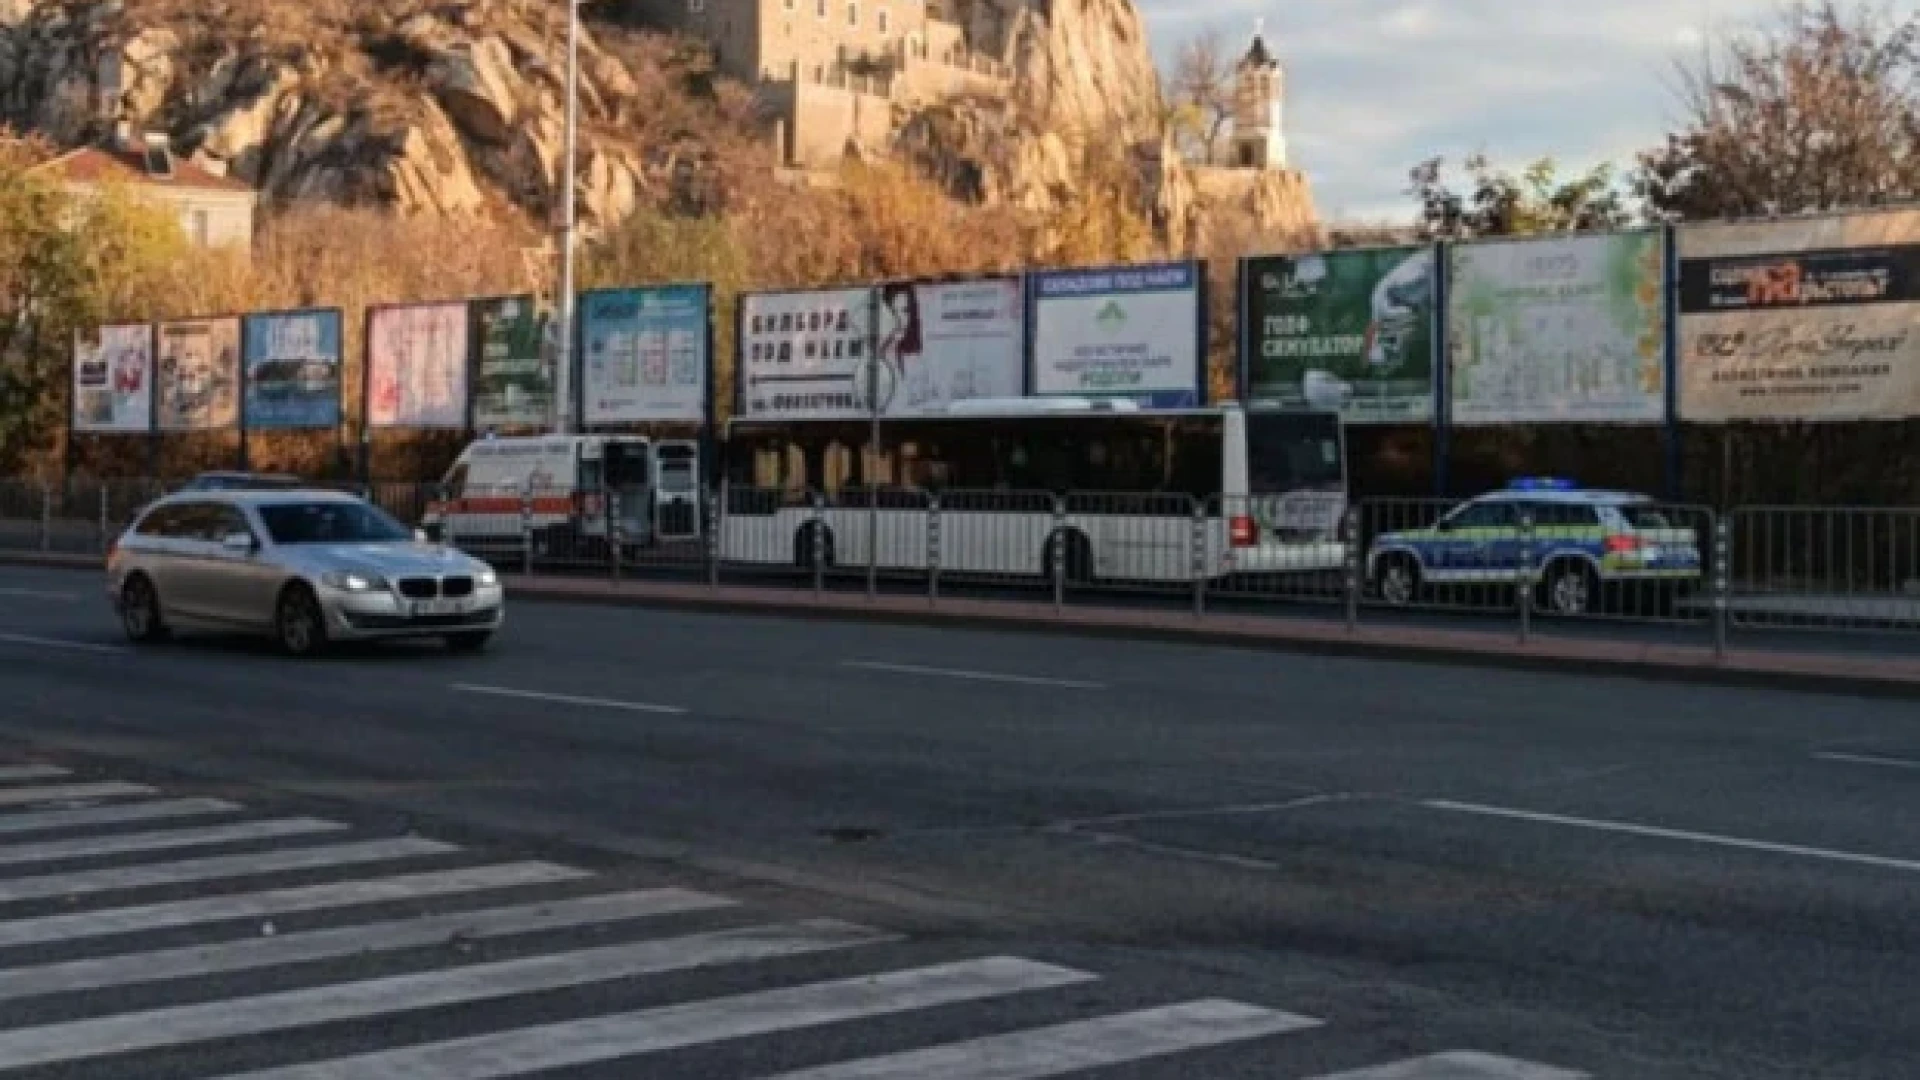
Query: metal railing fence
[1536, 568]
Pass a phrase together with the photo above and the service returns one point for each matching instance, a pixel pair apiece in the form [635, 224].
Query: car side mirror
[239, 543]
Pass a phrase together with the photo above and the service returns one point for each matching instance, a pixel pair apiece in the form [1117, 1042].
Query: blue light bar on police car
[1541, 483]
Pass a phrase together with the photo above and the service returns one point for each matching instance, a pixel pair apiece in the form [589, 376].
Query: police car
[1582, 545]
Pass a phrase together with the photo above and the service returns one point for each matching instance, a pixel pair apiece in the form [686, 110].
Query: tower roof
[1258, 55]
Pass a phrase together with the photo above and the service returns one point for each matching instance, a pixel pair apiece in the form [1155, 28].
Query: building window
[882, 20]
[790, 4]
[853, 15]
[198, 228]
[696, 6]
[820, 8]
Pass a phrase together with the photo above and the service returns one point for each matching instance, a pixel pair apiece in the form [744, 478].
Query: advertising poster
[417, 366]
[645, 354]
[808, 354]
[1131, 332]
[113, 379]
[292, 362]
[199, 375]
[512, 375]
[949, 341]
[1352, 330]
[1801, 320]
[1561, 330]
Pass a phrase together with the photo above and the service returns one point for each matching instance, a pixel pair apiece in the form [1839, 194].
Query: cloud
[1375, 86]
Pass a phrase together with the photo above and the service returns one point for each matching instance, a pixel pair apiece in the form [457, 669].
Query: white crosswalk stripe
[115, 814]
[57, 850]
[1067, 1048]
[82, 1039]
[609, 1038]
[78, 925]
[215, 869]
[1459, 1065]
[260, 952]
[327, 999]
[14, 773]
[60, 793]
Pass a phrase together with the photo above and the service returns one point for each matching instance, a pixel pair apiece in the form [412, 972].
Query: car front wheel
[140, 611]
[298, 623]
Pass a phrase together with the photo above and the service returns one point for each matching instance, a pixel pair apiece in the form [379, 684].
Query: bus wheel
[1079, 551]
[803, 545]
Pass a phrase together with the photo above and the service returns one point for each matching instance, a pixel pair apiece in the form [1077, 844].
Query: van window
[456, 481]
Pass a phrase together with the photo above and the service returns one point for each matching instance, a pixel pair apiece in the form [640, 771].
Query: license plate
[439, 607]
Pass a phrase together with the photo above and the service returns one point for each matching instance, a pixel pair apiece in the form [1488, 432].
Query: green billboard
[1352, 329]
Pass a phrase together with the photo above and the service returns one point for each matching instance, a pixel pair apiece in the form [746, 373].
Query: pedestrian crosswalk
[147, 934]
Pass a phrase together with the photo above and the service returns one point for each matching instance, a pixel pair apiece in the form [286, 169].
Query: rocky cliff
[455, 106]
[450, 108]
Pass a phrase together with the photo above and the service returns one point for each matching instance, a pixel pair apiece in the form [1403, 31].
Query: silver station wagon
[308, 568]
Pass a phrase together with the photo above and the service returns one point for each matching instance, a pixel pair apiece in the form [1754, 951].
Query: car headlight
[487, 577]
[348, 582]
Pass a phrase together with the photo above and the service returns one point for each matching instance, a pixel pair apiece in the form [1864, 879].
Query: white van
[564, 484]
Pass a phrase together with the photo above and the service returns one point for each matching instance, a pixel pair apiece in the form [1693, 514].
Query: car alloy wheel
[301, 631]
[1569, 593]
[1397, 584]
[140, 611]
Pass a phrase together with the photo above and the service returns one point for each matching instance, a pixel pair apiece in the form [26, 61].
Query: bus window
[1294, 451]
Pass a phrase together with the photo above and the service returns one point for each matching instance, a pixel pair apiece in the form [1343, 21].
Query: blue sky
[1377, 85]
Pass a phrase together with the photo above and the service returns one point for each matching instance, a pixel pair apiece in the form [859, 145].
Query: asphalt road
[1603, 877]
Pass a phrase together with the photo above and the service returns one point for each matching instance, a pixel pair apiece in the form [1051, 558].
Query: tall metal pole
[564, 369]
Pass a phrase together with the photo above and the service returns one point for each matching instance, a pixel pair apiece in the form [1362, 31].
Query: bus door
[629, 477]
[676, 490]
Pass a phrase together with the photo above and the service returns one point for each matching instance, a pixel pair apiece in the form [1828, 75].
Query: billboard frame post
[366, 394]
[873, 444]
[1670, 364]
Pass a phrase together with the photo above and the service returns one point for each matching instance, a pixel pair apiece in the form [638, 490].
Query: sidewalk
[1865, 674]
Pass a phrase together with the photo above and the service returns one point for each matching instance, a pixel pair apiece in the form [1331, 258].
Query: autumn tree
[1495, 202]
[1200, 102]
[1818, 109]
[67, 262]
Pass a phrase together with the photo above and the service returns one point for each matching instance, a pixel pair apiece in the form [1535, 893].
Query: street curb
[1751, 670]
[53, 560]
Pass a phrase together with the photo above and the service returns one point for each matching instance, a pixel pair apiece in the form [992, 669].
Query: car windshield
[330, 523]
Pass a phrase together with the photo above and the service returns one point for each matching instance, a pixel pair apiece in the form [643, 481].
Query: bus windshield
[1294, 451]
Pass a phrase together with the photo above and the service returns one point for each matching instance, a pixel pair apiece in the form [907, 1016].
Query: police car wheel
[1569, 589]
[1398, 581]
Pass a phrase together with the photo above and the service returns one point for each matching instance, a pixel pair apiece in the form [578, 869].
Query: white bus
[1116, 491]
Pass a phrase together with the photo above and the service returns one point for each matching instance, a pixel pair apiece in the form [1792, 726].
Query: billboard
[1569, 329]
[947, 341]
[1353, 328]
[1801, 320]
[292, 364]
[199, 375]
[512, 374]
[807, 354]
[113, 379]
[645, 354]
[417, 359]
[1132, 332]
